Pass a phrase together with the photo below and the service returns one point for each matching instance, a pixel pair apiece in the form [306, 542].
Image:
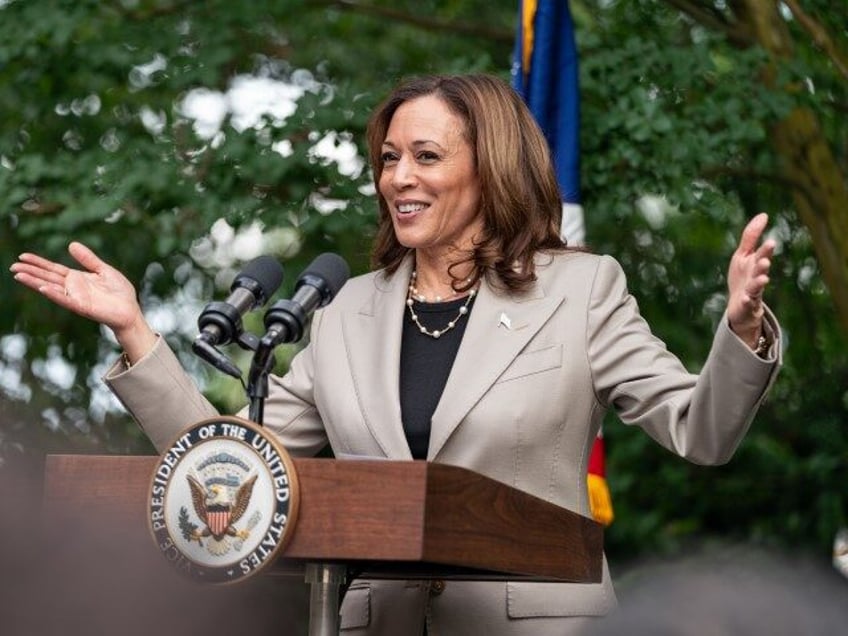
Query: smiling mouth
[411, 208]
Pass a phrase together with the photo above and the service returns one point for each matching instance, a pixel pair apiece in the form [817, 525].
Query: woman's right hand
[98, 291]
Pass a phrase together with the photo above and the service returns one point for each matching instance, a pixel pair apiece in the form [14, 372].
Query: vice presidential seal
[223, 500]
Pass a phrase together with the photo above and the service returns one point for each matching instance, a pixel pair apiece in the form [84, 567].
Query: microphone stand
[257, 379]
[284, 323]
[288, 319]
[327, 581]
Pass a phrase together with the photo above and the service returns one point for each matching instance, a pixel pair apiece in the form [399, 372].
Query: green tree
[697, 115]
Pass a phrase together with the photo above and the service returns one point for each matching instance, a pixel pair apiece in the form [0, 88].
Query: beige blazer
[533, 376]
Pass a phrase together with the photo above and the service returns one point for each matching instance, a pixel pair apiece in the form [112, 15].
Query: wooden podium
[372, 518]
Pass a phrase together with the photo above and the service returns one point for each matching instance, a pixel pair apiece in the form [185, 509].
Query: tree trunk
[821, 196]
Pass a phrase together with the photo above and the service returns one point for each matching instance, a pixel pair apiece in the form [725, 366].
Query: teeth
[410, 207]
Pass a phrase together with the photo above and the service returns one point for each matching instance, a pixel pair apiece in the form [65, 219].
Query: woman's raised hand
[747, 278]
[97, 291]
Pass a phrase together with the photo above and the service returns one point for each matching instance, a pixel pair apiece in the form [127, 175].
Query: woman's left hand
[747, 278]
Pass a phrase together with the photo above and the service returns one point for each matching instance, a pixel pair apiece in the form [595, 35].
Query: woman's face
[429, 179]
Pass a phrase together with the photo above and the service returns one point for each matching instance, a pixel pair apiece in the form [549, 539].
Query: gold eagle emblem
[217, 511]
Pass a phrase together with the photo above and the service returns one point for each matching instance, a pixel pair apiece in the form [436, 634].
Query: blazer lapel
[373, 338]
[500, 326]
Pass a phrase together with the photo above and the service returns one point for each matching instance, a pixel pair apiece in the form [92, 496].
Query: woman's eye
[427, 156]
[388, 157]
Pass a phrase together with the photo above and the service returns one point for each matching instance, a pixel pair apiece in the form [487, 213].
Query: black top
[425, 363]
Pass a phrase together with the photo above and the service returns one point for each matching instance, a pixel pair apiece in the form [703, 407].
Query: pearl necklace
[413, 290]
[412, 295]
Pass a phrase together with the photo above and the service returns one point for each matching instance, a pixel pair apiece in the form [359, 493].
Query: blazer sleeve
[159, 394]
[702, 417]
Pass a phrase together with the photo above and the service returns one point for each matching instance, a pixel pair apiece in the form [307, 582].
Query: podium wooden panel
[387, 519]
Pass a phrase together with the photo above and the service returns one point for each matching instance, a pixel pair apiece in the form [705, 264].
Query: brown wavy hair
[519, 197]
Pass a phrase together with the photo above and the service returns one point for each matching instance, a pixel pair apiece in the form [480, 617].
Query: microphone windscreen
[263, 276]
[330, 268]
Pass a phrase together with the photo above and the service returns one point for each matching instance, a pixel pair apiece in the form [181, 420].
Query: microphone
[315, 287]
[220, 322]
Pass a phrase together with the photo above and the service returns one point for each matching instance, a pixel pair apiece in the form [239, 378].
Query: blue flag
[545, 74]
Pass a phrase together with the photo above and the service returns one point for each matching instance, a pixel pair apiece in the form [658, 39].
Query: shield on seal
[218, 519]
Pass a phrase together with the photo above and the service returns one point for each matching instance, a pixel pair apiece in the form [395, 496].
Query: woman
[480, 341]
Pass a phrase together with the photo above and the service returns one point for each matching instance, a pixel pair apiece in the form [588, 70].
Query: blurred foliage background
[123, 126]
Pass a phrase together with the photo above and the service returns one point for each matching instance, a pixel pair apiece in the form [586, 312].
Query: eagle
[217, 511]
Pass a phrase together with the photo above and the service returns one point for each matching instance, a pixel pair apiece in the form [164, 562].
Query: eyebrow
[416, 144]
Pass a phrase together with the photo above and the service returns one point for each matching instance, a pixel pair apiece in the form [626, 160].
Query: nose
[403, 174]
